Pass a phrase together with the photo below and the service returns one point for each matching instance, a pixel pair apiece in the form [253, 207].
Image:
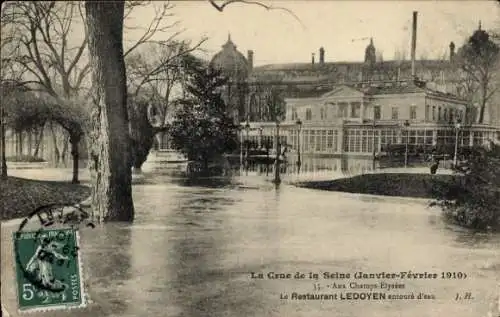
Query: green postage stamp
[48, 270]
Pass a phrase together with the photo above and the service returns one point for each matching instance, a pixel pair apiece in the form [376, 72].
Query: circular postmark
[46, 249]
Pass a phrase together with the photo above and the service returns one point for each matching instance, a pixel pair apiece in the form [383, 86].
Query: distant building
[351, 107]
[361, 120]
[250, 86]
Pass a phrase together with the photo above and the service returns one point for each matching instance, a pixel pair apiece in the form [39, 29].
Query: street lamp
[241, 149]
[260, 138]
[247, 129]
[299, 162]
[457, 129]
[407, 124]
[277, 179]
[2, 144]
[374, 154]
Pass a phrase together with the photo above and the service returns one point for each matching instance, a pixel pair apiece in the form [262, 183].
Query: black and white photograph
[250, 158]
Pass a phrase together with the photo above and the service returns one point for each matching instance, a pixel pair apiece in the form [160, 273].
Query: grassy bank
[21, 196]
[388, 184]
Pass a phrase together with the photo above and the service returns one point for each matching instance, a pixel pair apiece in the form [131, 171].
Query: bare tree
[43, 33]
[478, 58]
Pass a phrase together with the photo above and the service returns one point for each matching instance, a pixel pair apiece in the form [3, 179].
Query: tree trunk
[65, 149]
[74, 140]
[484, 92]
[109, 136]
[39, 141]
[57, 154]
[30, 141]
[2, 142]
[19, 143]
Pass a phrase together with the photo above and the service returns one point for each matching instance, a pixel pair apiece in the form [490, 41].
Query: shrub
[474, 201]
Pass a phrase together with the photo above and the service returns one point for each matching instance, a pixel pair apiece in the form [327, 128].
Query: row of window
[449, 137]
[442, 114]
[315, 140]
[445, 114]
[267, 141]
[365, 140]
[358, 140]
[342, 111]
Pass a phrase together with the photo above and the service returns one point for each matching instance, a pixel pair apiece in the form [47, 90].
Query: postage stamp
[48, 269]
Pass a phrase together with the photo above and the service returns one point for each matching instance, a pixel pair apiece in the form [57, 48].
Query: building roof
[230, 61]
[406, 88]
[329, 66]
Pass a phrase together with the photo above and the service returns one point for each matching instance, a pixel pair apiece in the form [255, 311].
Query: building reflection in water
[311, 164]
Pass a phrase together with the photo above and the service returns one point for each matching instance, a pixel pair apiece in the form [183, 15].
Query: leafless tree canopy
[38, 37]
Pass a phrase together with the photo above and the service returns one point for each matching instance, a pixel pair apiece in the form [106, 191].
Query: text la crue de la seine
[357, 275]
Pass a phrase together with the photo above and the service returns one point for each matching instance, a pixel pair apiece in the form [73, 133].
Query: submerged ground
[192, 249]
[386, 184]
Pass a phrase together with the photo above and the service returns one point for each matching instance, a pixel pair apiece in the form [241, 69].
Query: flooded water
[192, 249]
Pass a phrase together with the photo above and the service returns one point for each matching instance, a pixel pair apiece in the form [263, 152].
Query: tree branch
[221, 7]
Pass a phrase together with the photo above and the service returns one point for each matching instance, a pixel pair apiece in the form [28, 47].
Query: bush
[473, 202]
[25, 159]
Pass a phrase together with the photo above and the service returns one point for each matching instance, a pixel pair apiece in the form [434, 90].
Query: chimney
[250, 59]
[321, 55]
[312, 58]
[413, 43]
[452, 51]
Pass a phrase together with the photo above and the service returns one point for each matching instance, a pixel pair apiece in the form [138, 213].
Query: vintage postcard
[250, 158]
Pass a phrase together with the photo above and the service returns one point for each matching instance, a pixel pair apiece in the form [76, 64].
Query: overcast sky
[277, 37]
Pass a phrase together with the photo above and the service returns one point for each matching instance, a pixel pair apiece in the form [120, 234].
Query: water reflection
[348, 165]
[311, 164]
[109, 249]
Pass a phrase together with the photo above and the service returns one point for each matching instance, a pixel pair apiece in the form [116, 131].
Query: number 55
[28, 292]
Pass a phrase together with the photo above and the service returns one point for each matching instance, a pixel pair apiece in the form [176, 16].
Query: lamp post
[374, 154]
[299, 162]
[2, 135]
[407, 124]
[260, 138]
[277, 179]
[457, 130]
[241, 149]
[247, 129]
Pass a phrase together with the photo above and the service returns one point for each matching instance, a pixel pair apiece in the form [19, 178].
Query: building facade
[366, 120]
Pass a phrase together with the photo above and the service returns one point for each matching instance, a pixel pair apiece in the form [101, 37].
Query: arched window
[439, 113]
[322, 113]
